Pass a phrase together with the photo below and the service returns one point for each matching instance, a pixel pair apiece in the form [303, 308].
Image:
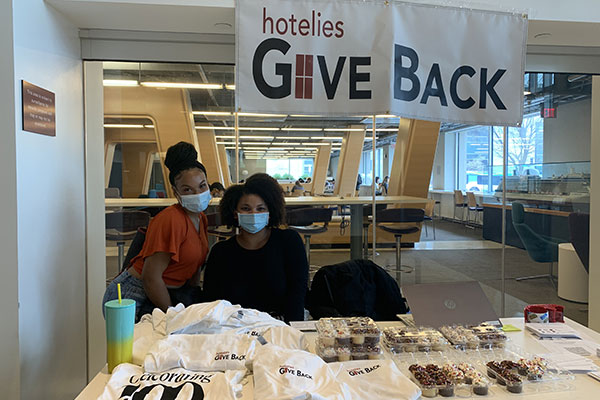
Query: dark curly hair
[180, 157]
[264, 187]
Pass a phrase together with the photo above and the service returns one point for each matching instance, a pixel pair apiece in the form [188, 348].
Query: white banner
[364, 58]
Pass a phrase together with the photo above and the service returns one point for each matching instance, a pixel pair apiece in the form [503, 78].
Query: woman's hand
[154, 285]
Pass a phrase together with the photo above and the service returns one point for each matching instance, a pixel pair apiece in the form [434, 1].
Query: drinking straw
[119, 291]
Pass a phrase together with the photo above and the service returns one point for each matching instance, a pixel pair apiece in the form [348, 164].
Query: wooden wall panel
[170, 109]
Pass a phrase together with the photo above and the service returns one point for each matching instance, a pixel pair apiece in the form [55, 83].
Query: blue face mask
[253, 223]
[195, 202]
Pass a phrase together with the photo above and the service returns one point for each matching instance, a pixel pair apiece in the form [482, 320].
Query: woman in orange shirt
[176, 242]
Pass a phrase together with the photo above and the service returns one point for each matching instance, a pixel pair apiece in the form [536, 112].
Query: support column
[224, 160]
[594, 272]
[320, 169]
[349, 161]
[207, 145]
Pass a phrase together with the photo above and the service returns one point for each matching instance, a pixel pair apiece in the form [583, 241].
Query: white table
[586, 387]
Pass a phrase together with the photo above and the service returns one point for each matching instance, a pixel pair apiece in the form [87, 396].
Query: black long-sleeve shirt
[271, 279]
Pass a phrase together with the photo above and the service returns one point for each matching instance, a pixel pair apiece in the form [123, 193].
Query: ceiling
[218, 17]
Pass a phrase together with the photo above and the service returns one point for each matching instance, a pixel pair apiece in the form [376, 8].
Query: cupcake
[328, 354]
[343, 354]
[480, 386]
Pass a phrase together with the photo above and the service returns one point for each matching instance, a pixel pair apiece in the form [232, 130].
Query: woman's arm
[154, 285]
[296, 278]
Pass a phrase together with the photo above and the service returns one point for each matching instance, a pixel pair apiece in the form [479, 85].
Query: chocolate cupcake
[480, 387]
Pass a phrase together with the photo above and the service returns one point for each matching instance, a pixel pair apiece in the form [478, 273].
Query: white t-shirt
[217, 352]
[375, 380]
[281, 374]
[130, 382]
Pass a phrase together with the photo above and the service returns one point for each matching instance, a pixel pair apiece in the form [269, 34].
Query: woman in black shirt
[262, 267]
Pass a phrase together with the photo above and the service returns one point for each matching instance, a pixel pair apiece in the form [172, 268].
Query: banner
[364, 58]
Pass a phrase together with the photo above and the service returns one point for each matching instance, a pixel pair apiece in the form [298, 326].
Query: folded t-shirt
[216, 352]
[129, 381]
[282, 374]
[375, 380]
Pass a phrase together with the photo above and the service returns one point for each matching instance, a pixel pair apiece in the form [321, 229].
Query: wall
[9, 328]
[51, 206]
[567, 137]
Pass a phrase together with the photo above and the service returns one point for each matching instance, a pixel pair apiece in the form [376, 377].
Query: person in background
[298, 186]
[384, 185]
[308, 180]
[358, 182]
[262, 267]
[216, 189]
[377, 186]
[166, 271]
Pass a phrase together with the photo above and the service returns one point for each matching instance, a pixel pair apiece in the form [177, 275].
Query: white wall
[9, 328]
[567, 137]
[51, 223]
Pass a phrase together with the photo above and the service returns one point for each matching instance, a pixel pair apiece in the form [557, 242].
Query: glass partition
[453, 172]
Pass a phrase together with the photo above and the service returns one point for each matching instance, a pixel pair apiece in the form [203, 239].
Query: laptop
[438, 304]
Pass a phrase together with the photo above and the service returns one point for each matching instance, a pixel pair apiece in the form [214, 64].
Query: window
[290, 169]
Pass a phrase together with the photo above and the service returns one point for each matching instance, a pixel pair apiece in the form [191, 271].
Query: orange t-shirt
[172, 231]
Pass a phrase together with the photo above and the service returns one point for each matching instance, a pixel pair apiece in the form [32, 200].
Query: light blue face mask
[195, 202]
[253, 223]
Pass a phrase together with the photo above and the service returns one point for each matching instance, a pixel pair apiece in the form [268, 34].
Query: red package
[555, 312]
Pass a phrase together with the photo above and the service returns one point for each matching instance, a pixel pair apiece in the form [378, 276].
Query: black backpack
[355, 288]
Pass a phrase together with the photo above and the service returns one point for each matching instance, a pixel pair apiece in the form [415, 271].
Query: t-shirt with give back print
[172, 231]
[130, 382]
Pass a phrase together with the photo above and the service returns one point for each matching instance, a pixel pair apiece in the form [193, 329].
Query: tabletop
[586, 388]
[301, 200]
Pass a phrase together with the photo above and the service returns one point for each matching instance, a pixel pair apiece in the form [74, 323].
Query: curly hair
[264, 187]
[180, 157]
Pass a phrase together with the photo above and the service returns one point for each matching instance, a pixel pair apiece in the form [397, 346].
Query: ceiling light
[123, 126]
[343, 130]
[305, 116]
[225, 137]
[219, 113]
[526, 93]
[303, 129]
[385, 116]
[149, 126]
[230, 87]
[257, 137]
[215, 128]
[244, 114]
[119, 82]
[316, 144]
[183, 85]
[254, 148]
[257, 128]
[327, 137]
[292, 137]
[383, 129]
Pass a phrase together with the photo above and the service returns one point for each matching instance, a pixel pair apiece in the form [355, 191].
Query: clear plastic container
[343, 339]
[406, 340]
[489, 336]
[460, 337]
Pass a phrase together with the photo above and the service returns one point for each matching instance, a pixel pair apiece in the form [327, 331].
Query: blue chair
[542, 249]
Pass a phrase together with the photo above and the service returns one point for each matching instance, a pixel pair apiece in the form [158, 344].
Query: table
[356, 209]
[586, 387]
[573, 279]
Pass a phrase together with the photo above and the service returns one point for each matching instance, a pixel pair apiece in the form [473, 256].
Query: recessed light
[223, 25]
